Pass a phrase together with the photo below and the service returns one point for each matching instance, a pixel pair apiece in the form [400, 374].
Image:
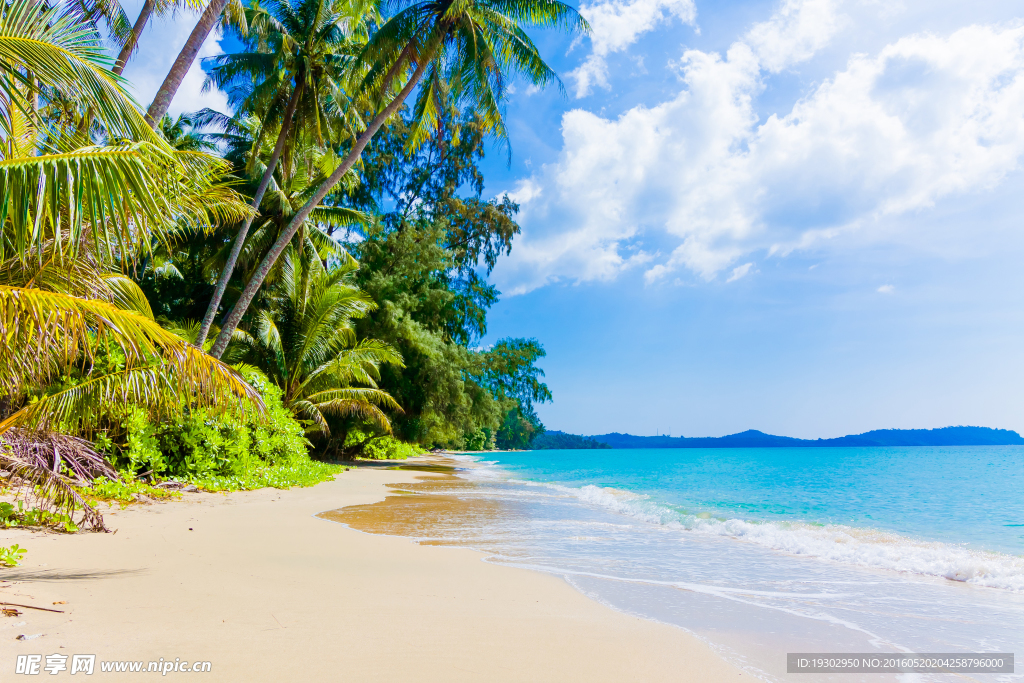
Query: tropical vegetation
[237, 299]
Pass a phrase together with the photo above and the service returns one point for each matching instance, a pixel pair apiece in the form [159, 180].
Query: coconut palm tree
[297, 54]
[70, 210]
[462, 51]
[66, 210]
[305, 342]
[231, 13]
[183, 135]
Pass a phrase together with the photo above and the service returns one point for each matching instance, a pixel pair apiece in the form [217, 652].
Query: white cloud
[794, 33]
[740, 271]
[616, 24]
[886, 289]
[924, 118]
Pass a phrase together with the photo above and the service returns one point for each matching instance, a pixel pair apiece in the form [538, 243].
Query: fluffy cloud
[616, 24]
[924, 118]
[794, 33]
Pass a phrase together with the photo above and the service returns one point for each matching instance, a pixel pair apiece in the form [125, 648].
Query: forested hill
[560, 441]
[946, 436]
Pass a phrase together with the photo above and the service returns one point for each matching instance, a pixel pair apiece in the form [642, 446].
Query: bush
[19, 515]
[482, 439]
[227, 449]
[384, 447]
[302, 473]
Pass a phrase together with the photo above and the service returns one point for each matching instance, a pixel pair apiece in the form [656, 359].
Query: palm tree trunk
[256, 281]
[236, 248]
[133, 39]
[181, 65]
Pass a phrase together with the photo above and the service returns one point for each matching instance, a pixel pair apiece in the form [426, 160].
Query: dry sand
[256, 584]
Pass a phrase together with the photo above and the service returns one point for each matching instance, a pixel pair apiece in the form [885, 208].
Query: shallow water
[758, 551]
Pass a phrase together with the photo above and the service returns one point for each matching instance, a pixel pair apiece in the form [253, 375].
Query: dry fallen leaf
[10, 612]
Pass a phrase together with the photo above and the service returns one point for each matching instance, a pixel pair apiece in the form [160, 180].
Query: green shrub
[282, 476]
[482, 439]
[384, 447]
[204, 445]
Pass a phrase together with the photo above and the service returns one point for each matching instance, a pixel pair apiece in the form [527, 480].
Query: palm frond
[67, 55]
[47, 490]
[45, 333]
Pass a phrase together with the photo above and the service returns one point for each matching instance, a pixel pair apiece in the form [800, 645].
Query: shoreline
[259, 586]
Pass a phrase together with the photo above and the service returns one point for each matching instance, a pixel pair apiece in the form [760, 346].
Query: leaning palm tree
[457, 50]
[230, 11]
[297, 56]
[305, 342]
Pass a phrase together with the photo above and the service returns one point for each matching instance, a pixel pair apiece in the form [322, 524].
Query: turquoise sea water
[972, 495]
[766, 551]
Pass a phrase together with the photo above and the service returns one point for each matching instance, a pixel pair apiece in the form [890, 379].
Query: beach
[263, 589]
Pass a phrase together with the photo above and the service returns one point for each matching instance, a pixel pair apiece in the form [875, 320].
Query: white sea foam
[834, 542]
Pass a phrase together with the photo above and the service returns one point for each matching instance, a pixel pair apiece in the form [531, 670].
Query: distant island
[945, 436]
[560, 441]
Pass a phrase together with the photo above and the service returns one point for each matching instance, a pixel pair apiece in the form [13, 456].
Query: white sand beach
[257, 585]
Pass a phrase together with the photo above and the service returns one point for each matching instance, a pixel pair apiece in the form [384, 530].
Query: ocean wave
[834, 542]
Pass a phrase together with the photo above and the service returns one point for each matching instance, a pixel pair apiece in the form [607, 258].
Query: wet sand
[266, 590]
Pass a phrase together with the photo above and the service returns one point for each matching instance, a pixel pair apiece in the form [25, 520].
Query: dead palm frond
[45, 490]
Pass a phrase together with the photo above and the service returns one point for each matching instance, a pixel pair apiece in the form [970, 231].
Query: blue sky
[802, 217]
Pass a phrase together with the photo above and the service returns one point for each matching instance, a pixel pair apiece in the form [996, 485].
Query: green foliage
[124, 491]
[424, 262]
[201, 444]
[11, 556]
[519, 430]
[482, 439]
[307, 345]
[302, 472]
[130, 200]
[379, 447]
[19, 515]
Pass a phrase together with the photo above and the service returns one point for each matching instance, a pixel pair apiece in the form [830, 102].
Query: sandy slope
[257, 585]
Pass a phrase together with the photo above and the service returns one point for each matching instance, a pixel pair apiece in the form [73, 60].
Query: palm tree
[182, 134]
[69, 210]
[306, 343]
[466, 49]
[50, 332]
[209, 18]
[58, 198]
[304, 49]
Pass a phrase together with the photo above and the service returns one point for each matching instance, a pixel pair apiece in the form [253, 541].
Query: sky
[802, 217]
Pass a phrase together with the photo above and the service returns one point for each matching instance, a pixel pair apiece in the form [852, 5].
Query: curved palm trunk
[181, 65]
[236, 248]
[133, 39]
[256, 281]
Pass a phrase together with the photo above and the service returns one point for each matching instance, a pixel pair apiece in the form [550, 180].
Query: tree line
[309, 267]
